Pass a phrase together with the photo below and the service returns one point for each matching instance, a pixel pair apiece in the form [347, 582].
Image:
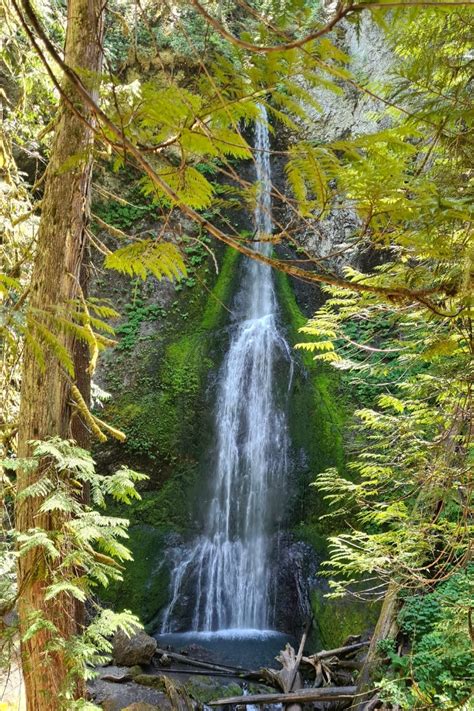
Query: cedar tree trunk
[45, 409]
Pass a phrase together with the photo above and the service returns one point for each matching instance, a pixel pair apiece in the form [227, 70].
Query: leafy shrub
[439, 671]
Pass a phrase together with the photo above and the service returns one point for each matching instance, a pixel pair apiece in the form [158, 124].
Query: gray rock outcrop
[139, 648]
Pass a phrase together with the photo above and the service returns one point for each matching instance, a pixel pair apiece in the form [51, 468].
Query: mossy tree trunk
[385, 628]
[45, 396]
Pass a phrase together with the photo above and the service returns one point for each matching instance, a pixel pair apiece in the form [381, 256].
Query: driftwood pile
[333, 677]
[331, 673]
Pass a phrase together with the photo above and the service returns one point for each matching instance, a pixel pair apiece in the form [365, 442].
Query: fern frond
[36, 538]
[148, 256]
[54, 344]
[65, 586]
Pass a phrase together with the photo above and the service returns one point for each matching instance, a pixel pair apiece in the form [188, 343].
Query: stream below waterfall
[250, 649]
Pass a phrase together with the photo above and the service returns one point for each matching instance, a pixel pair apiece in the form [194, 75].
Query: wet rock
[118, 674]
[142, 707]
[116, 697]
[114, 673]
[297, 566]
[139, 648]
[175, 691]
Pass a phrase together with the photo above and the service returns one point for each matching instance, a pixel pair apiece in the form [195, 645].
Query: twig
[299, 656]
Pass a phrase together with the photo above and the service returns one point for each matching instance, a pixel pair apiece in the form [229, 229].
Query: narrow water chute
[231, 564]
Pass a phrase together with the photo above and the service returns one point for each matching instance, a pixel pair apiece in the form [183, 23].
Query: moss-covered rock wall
[318, 417]
[316, 414]
[162, 405]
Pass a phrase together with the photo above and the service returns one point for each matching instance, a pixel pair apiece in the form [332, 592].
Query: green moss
[156, 416]
[335, 620]
[151, 680]
[159, 419]
[293, 316]
[316, 413]
[205, 689]
[145, 583]
[220, 295]
[311, 535]
[168, 507]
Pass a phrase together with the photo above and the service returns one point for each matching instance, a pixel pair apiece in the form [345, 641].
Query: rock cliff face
[353, 112]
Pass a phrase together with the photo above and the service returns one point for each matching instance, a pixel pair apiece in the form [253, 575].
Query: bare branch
[337, 17]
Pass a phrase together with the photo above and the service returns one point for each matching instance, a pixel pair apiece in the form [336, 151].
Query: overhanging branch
[340, 13]
[390, 293]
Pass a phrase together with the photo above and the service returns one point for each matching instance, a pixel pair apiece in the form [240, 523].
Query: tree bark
[45, 409]
[386, 627]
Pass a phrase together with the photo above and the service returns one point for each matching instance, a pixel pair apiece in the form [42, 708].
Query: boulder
[110, 696]
[139, 648]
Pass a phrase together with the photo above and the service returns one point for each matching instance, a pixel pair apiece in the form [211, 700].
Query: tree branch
[338, 16]
[390, 293]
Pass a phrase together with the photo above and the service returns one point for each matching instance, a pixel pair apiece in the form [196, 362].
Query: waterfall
[228, 570]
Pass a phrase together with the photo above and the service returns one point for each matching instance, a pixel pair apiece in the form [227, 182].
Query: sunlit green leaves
[36, 539]
[148, 256]
[65, 587]
[309, 169]
[167, 110]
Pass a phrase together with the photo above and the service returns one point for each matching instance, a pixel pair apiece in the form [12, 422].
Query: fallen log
[280, 678]
[202, 665]
[339, 651]
[257, 677]
[326, 662]
[334, 693]
[247, 676]
[292, 677]
[180, 701]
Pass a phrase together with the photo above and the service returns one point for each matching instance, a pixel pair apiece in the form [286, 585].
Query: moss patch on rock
[336, 620]
[205, 689]
[316, 414]
[151, 680]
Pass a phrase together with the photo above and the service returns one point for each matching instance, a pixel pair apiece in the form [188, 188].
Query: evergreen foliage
[85, 552]
[146, 256]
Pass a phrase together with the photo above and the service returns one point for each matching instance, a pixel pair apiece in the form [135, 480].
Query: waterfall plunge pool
[247, 648]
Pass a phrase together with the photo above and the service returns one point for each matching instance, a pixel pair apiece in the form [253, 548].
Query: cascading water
[229, 567]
